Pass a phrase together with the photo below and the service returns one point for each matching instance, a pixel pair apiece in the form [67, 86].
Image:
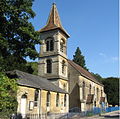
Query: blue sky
[93, 27]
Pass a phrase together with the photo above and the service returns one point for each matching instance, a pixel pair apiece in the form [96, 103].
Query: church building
[85, 92]
[61, 84]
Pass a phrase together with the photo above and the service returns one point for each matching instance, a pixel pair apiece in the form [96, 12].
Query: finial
[54, 3]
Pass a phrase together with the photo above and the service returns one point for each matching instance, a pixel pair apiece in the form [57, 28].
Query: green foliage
[111, 86]
[8, 91]
[98, 77]
[78, 58]
[34, 66]
[17, 35]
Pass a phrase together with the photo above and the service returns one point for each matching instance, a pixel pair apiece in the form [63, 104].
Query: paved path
[110, 115]
[113, 114]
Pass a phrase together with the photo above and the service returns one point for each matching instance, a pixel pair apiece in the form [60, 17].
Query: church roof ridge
[53, 21]
[84, 72]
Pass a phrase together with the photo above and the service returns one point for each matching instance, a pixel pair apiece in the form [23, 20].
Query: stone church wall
[73, 87]
[41, 107]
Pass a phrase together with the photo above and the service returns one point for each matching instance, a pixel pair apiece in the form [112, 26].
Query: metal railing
[74, 113]
[110, 109]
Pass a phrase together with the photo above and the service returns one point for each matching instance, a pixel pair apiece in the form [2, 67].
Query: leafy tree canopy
[98, 77]
[111, 86]
[17, 35]
[78, 58]
[8, 91]
[34, 67]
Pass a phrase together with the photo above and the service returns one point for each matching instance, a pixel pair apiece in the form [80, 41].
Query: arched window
[65, 100]
[49, 66]
[101, 93]
[95, 103]
[49, 44]
[57, 100]
[97, 94]
[48, 99]
[62, 43]
[90, 89]
[24, 96]
[94, 90]
[83, 90]
[63, 66]
[36, 95]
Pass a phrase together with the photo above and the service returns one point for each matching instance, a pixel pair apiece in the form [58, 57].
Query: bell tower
[53, 63]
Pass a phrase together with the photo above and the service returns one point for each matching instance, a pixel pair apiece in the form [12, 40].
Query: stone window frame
[36, 96]
[63, 67]
[97, 93]
[90, 89]
[62, 45]
[49, 44]
[101, 92]
[83, 90]
[57, 99]
[49, 66]
[65, 100]
[48, 99]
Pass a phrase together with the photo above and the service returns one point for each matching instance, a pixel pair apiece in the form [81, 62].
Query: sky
[93, 27]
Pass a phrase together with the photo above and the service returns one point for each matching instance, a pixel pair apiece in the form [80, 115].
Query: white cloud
[109, 58]
[102, 54]
[115, 58]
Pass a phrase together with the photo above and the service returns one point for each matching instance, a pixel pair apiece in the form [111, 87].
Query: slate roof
[83, 72]
[54, 21]
[34, 81]
[90, 98]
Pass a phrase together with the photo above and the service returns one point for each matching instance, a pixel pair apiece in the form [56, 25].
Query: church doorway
[23, 105]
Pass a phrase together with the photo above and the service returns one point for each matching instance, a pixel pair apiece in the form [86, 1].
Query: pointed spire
[53, 21]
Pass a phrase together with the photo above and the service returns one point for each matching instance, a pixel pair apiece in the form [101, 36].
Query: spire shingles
[53, 21]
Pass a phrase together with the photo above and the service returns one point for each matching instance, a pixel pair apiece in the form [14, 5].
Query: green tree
[78, 58]
[98, 77]
[34, 67]
[8, 91]
[17, 35]
[111, 86]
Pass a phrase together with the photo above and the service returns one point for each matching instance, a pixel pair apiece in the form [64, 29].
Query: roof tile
[34, 81]
[54, 21]
[83, 72]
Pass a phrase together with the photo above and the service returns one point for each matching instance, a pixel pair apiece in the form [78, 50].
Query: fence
[110, 109]
[41, 116]
[74, 113]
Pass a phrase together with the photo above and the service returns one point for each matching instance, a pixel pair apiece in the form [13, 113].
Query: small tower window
[48, 99]
[62, 43]
[36, 97]
[63, 66]
[49, 66]
[65, 100]
[49, 44]
[57, 100]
